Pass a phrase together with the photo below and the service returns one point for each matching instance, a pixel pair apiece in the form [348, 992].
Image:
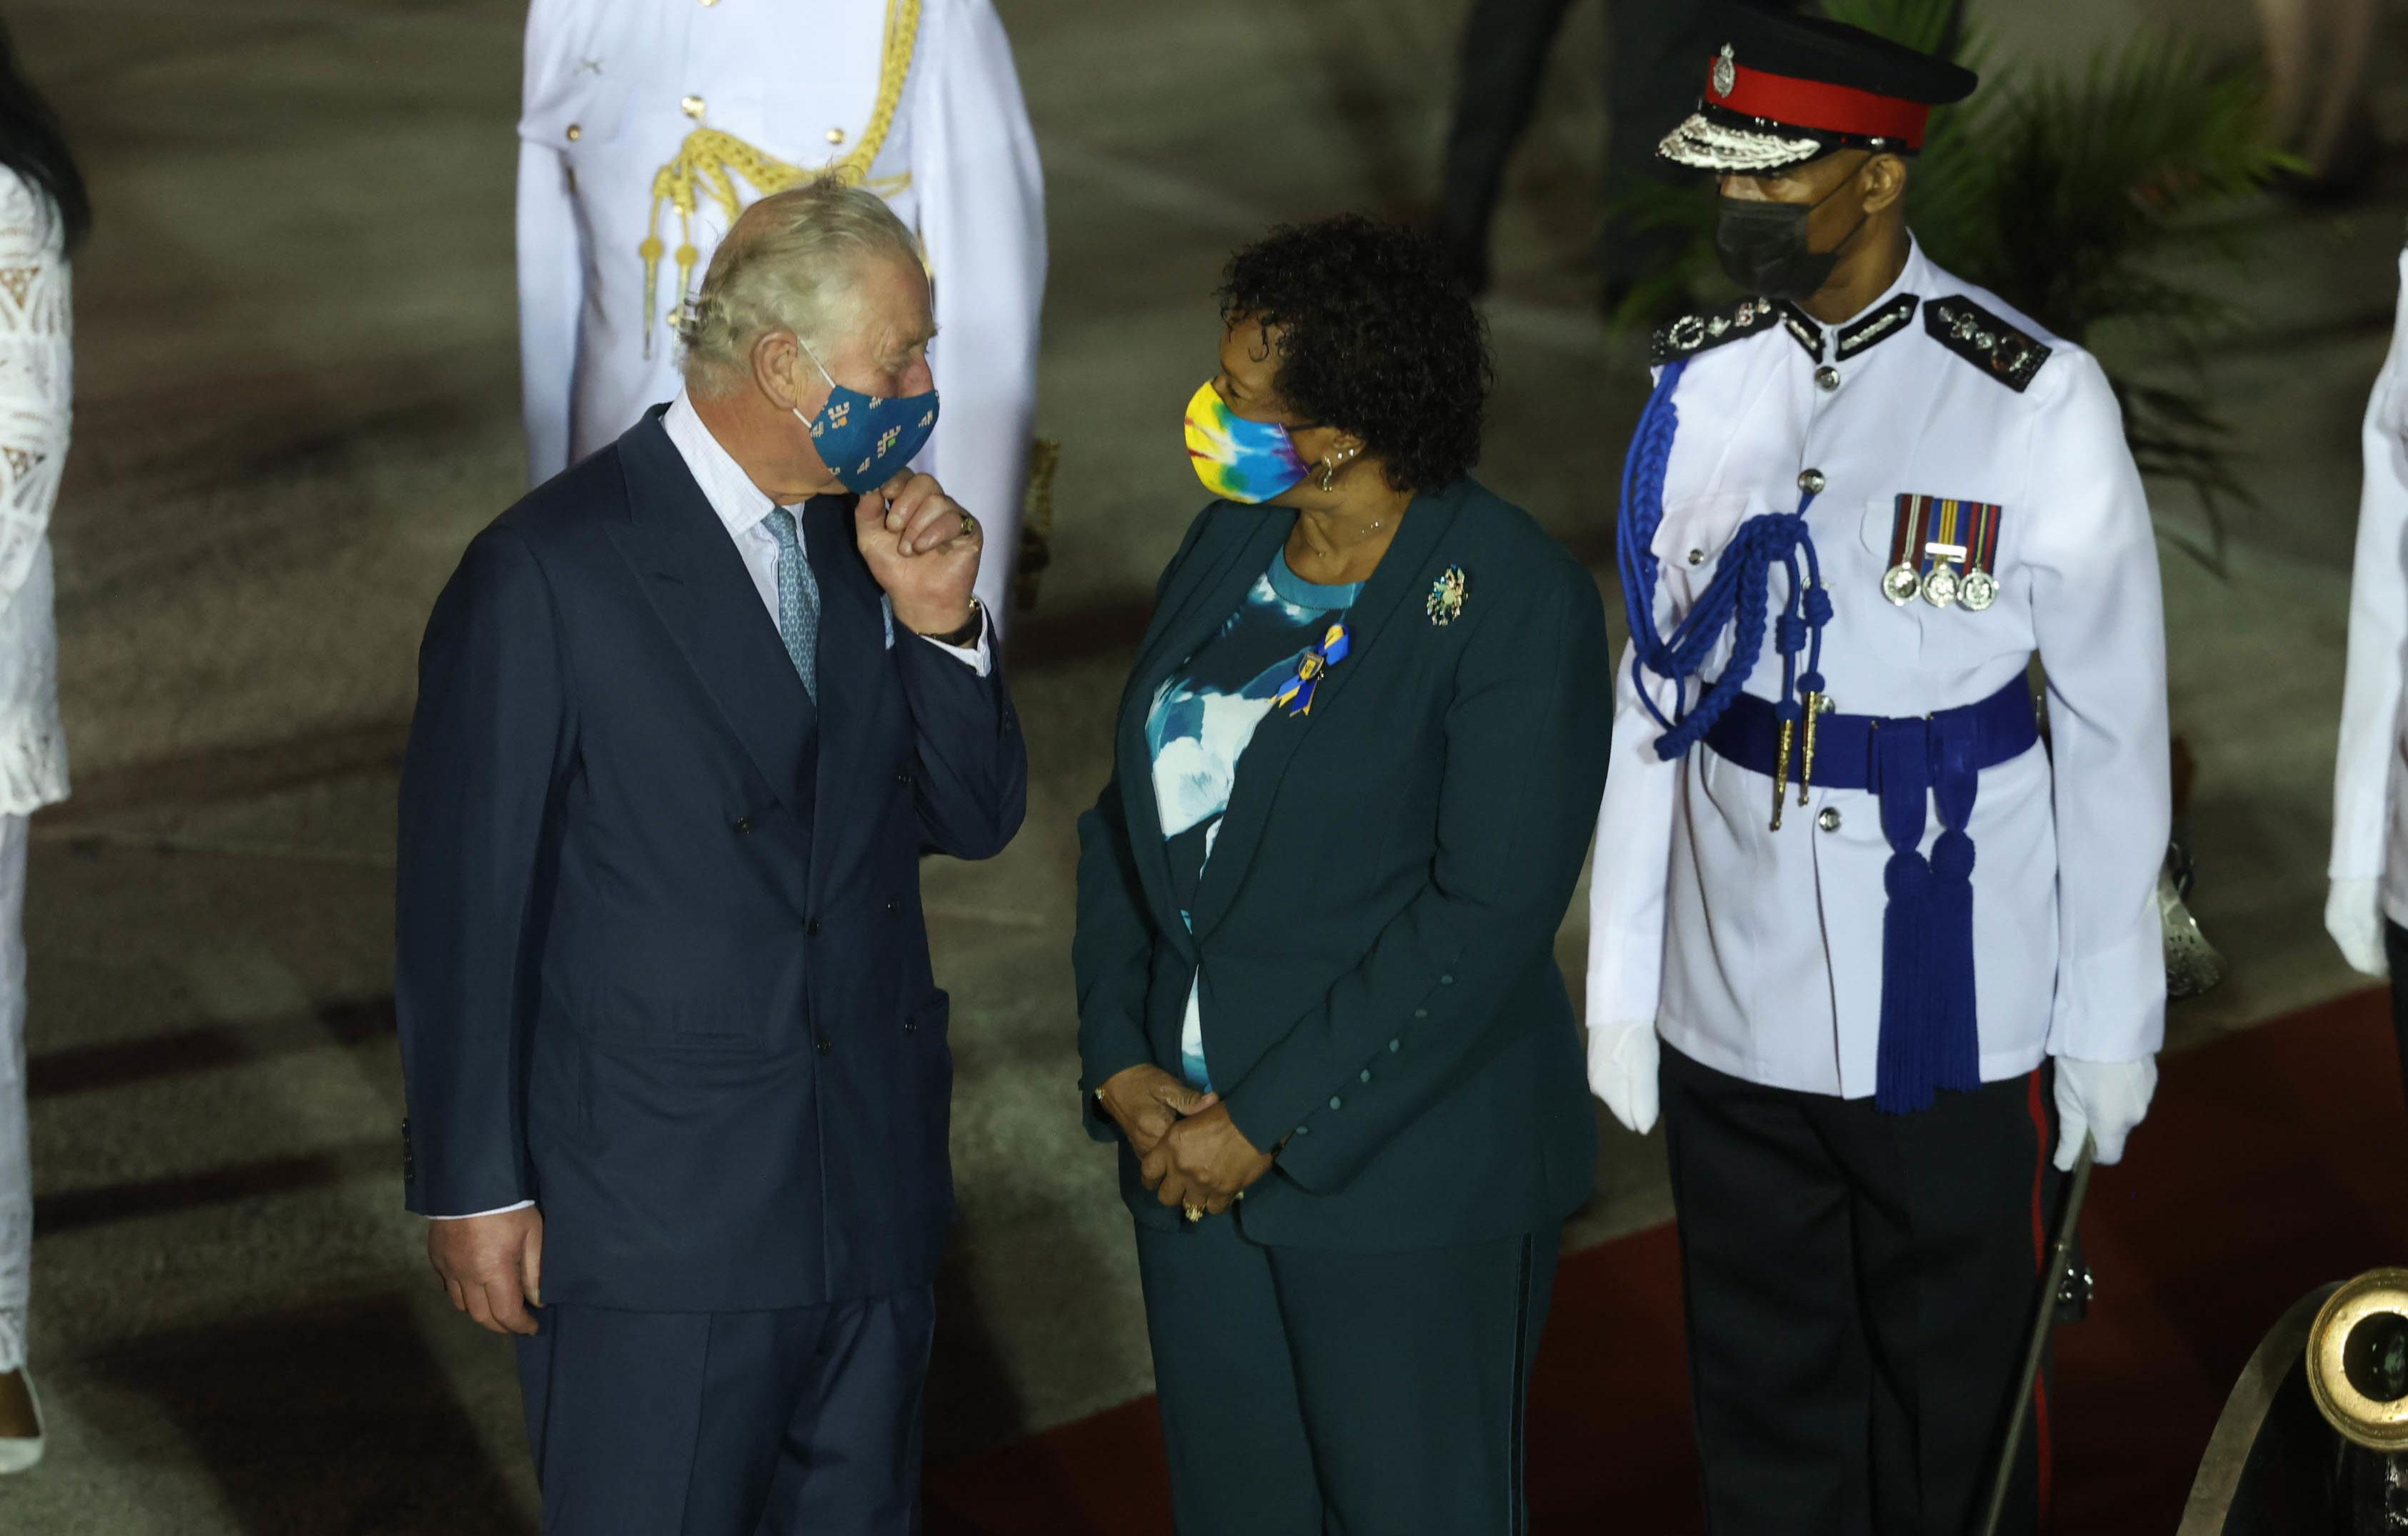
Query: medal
[1908, 531]
[1980, 588]
[1939, 585]
[1945, 551]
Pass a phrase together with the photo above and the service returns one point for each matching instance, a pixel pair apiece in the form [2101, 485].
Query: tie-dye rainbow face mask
[1239, 460]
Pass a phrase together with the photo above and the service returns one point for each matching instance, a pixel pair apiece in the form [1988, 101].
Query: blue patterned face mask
[863, 440]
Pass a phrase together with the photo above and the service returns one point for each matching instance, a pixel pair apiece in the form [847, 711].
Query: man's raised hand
[923, 549]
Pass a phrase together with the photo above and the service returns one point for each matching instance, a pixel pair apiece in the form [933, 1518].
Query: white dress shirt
[2370, 846]
[1760, 953]
[613, 88]
[744, 509]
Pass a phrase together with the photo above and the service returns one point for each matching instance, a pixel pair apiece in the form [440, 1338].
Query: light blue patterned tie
[799, 599]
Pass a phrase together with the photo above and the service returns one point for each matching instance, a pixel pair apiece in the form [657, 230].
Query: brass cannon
[2313, 1440]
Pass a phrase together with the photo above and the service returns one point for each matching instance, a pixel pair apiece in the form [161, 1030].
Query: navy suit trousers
[796, 1422]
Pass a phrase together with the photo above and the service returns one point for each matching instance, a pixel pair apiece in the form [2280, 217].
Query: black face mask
[1763, 246]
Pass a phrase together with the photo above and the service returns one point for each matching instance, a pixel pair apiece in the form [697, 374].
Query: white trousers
[15, 1164]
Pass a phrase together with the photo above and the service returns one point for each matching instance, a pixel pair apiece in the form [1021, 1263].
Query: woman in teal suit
[1354, 775]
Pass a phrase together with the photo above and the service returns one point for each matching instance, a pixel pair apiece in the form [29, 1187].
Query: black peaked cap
[1815, 48]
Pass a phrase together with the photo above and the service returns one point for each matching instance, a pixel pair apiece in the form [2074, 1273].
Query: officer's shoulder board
[1982, 339]
[1708, 329]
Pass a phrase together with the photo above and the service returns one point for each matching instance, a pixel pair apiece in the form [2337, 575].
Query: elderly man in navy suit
[678, 1077]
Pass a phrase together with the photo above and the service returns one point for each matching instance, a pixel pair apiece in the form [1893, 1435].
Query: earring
[1329, 467]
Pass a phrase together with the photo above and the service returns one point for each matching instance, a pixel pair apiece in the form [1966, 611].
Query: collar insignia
[1880, 326]
[1802, 329]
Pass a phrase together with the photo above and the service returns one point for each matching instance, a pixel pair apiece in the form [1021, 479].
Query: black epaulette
[1693, 333]
[1984, 340]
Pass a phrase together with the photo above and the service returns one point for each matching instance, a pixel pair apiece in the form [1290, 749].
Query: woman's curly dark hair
[1377, 338]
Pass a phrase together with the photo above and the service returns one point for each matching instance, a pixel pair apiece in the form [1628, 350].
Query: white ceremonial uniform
[36, 392]
[2370, 846]
[926, 88]
[1760, 953]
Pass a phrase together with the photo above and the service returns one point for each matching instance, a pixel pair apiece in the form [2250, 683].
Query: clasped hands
[1189, 1152]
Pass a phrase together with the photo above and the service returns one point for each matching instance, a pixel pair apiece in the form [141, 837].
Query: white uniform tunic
[612, 89]
[1760, 953]
[2369, 814]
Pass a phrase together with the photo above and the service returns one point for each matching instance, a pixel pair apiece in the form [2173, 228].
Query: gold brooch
[1446, 597]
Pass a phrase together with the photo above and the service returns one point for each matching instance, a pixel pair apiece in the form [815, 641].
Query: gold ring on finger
[1194, 1212]
[970, 524]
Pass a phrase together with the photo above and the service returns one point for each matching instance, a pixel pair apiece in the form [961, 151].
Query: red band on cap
[1820, 108]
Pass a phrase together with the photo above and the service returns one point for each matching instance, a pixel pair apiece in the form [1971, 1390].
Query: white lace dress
[35, 387]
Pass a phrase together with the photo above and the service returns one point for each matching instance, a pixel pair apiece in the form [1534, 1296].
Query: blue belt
[1930, 1038]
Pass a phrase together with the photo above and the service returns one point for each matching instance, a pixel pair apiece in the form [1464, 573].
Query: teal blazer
[1375, 935]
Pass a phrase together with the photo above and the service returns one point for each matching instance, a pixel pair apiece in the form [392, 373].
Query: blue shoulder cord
[1737, 595]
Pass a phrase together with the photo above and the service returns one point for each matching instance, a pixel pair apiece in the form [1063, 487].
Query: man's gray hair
[790, 263]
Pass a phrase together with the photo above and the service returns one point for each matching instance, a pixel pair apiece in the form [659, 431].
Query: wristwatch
[968, 633]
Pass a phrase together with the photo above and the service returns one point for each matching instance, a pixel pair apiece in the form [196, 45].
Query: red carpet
[2272, 1163]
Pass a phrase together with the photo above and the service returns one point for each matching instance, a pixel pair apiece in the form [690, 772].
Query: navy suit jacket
[1373, 940]
[662, 966]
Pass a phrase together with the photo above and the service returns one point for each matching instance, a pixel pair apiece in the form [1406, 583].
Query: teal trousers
[1326, 1394]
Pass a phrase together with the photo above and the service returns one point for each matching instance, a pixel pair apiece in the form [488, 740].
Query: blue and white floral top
[1204, 715]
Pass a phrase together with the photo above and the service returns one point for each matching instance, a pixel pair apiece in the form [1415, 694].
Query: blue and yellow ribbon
[1296, 692]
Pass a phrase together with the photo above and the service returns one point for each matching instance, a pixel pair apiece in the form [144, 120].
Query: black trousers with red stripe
[2395, 949]
[1859, 1290]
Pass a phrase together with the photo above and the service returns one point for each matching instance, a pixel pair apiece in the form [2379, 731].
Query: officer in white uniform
[2366, 911]
[648, 125]
[1861, 913]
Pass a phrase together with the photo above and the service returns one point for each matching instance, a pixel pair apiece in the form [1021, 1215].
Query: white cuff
[2354, 917]
[498, 1211]
[979, 659]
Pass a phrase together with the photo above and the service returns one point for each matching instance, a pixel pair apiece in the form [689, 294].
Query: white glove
[1622, 1070]
[2354, 917]
[2107, 1098]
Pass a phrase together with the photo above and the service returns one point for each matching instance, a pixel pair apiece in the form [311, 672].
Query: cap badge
[1725, 71]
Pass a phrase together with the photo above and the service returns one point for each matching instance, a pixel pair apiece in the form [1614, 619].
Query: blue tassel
[1904, 1069]
[1948, 965]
